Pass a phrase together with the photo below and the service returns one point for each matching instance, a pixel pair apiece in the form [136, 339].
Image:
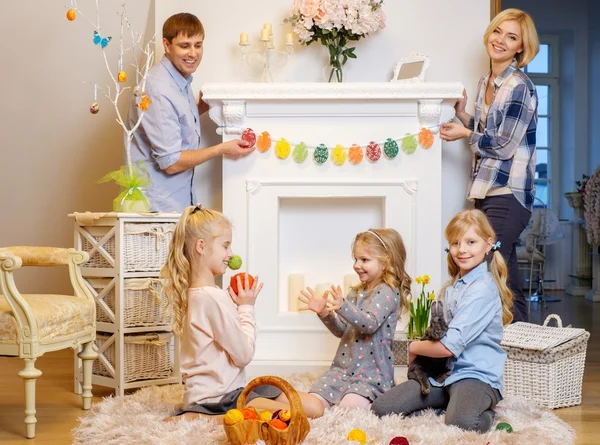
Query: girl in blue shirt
[478, 303]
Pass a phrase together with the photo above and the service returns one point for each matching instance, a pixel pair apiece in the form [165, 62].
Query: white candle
[269, 28]
[350, 280]
[271, 45]
[289, 38]
[264, 35]
[322, 288]
[244, 39]
[295, 285]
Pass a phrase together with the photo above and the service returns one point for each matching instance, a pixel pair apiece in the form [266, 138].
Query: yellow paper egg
[282, 148]
[122, 76]
[357, 435]
[71, 15]
[265, 415]
[233, 416]
[338, 155]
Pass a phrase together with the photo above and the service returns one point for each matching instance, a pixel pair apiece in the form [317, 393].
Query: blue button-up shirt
[474, 310]
[170, 125]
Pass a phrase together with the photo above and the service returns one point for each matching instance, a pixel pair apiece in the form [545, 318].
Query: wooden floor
[58, 408]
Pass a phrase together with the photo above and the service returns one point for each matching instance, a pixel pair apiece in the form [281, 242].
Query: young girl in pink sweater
[216, 327]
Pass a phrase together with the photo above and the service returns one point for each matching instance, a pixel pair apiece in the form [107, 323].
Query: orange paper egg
[264, 141]
[355, 154]
[71, 15]
[425, 138]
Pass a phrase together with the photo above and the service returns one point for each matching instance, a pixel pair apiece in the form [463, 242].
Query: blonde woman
[502, 137]
[477, 302]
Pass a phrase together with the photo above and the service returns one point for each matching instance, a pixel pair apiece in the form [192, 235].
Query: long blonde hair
[455, 229]
[387, 246]
[195, 223]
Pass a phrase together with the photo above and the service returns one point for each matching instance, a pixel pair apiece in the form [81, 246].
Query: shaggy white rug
[137, 419]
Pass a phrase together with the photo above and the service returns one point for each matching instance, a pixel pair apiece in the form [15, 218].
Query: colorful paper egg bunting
[390, 148]
[300, 153]
[321, 154]
[409, 144]
[426, 138]
[355, 154]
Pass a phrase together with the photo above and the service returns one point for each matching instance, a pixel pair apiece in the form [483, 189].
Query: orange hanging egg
[264, 141]
[425, 138]
[122, 76]
[71, 15]
[355, 154]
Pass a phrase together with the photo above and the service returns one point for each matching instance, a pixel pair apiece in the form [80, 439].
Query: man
[168, 137]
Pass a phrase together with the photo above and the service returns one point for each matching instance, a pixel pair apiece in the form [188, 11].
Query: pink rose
[309, 8]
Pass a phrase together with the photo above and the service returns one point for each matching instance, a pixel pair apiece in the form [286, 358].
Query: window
[544, 73]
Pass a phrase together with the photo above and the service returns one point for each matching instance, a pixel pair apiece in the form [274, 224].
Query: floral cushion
[56, 315]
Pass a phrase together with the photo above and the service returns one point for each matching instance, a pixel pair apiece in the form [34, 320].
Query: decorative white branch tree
[132, 177]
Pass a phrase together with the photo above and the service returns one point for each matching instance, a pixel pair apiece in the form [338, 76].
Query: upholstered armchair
[33, 324]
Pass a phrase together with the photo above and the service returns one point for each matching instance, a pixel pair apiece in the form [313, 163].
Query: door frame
[495, 7]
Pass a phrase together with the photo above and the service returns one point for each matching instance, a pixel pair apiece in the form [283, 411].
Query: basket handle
[296, 408]
[553, 316]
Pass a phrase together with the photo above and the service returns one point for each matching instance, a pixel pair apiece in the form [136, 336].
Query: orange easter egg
[264, 141]
[425, 138]
[285, 415]
[355, 154]
[249, 413]
[279, 424]
[242, 275]
[122, 76]
[71, 15]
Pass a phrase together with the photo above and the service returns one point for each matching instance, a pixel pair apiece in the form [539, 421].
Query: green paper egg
[390, 148]
[235, 262]
[409, 144]
[321, 154]
[300, 153]
[503, 426]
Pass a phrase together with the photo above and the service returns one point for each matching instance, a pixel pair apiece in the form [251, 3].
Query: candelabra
[266, 56]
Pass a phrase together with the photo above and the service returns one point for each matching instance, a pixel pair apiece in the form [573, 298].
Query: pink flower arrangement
[334, 23]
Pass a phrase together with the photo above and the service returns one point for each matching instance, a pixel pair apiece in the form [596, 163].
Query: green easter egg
[300, 153]
[409, 144]
[390, 148]
[503, 426]
[321, 154]
[235, 262]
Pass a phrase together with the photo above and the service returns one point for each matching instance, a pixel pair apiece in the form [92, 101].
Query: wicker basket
[545, 364]
[146, 246]
[146, 356]
[251, 431]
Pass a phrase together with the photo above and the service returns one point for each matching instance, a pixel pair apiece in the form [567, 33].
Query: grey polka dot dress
[363, 363]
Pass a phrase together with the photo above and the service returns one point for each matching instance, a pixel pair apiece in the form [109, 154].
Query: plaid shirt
[504, 154]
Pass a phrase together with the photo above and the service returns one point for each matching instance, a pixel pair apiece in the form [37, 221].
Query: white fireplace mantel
[294, 218]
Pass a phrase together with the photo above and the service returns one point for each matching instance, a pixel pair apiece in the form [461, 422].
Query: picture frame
[411, 68]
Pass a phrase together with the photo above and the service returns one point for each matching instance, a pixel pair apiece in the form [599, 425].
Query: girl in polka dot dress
[365, 321]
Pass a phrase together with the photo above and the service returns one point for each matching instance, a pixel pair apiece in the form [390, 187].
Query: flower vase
[336, 63]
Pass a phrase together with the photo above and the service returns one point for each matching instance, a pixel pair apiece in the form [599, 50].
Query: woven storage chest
[143, 303]
[146, 356]
[146, 246]
[545, 364]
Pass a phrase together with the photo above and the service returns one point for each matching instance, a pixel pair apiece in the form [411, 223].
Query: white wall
[434, 27]
[54, 150]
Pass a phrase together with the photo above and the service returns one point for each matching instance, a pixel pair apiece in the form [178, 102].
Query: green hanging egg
[409, 144]
[300, 153]
[321, 154]
[503, 426]
[390, 148]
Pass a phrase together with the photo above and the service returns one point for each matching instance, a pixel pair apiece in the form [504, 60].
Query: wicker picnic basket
[544, 363]
[251, 431]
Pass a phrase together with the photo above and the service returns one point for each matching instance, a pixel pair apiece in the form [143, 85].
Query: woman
[501, 136]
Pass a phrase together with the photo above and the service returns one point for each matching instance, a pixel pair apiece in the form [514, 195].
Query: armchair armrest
[46, 256]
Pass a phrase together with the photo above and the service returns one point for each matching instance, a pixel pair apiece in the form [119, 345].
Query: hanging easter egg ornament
[282, 148]
[122, 76]
[71, 15]
[390, 148]
[409, 144]
[338, 155]
[264, 141]
[355, 154]
[249, 136]
[373, 151]
[144, 102]
[425, 138]
[321, 154]
[300, 153]
[137, 91]
[94, 108]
